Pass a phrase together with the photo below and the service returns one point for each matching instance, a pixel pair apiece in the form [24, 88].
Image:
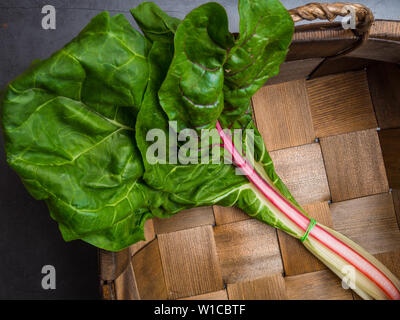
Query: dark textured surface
[23, 39]
[29, 239]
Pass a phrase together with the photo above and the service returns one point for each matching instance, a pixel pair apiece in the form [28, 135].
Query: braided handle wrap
[329, 11]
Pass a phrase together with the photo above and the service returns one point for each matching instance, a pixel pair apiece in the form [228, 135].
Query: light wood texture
[296, 258]
[112, 264]
[148, 234]
[125, 285]
[388, 30]
[184, 220]
[224, 215]
[283, 115]
[149, 273]
[390, 143]
[246, 250]
[391, 260]
[108, 290]
[302, 170]
[354, 165]
[295, 70]
[384, 84]
[341, 103]
[320, 285]
[217, 295]
[267, 288]
[190, 262]
[369, 221]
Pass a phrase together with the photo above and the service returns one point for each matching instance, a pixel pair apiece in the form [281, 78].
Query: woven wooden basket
[331, 120]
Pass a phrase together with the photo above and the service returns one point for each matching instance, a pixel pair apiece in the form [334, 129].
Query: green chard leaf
[266, 29]
[155, 23]
[185, 185]
[68, 126]
[192, 91]
[202, 184]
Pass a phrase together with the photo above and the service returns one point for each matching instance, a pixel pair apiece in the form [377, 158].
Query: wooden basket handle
[329, 11]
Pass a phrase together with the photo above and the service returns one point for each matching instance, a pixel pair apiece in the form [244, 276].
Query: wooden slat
[384, 84]
[369, 221]
[378, 49]
[340, 65]
[391, 260]
[295, 70]
[217, 295]
[302, 170]
[107, 290]
[390, 143]
[320, 285]
[184, 220]
[310, 49]
[247, 250]
[296, 258]
[112, 264]
[320, 40]
[341, 103]
[148, 234]
[125, 285]
[148, 272]
[224, 215]
[283, 115]
[396, 202]
[354, 165]
[322, 31]
[382, 29]
[267, 288]
[190, 262]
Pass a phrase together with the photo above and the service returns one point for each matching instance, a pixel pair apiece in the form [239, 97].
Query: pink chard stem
[302, 221]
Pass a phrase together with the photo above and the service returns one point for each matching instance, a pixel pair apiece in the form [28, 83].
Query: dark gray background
[29, 239]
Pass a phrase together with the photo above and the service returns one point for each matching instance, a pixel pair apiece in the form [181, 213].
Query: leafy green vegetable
[155, 23]
[203, 184]
[68, 127]
[266, 30]
[75, 125]
[192, 91]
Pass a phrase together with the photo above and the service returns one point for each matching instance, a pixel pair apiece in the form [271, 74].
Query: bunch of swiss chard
[76, 130]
